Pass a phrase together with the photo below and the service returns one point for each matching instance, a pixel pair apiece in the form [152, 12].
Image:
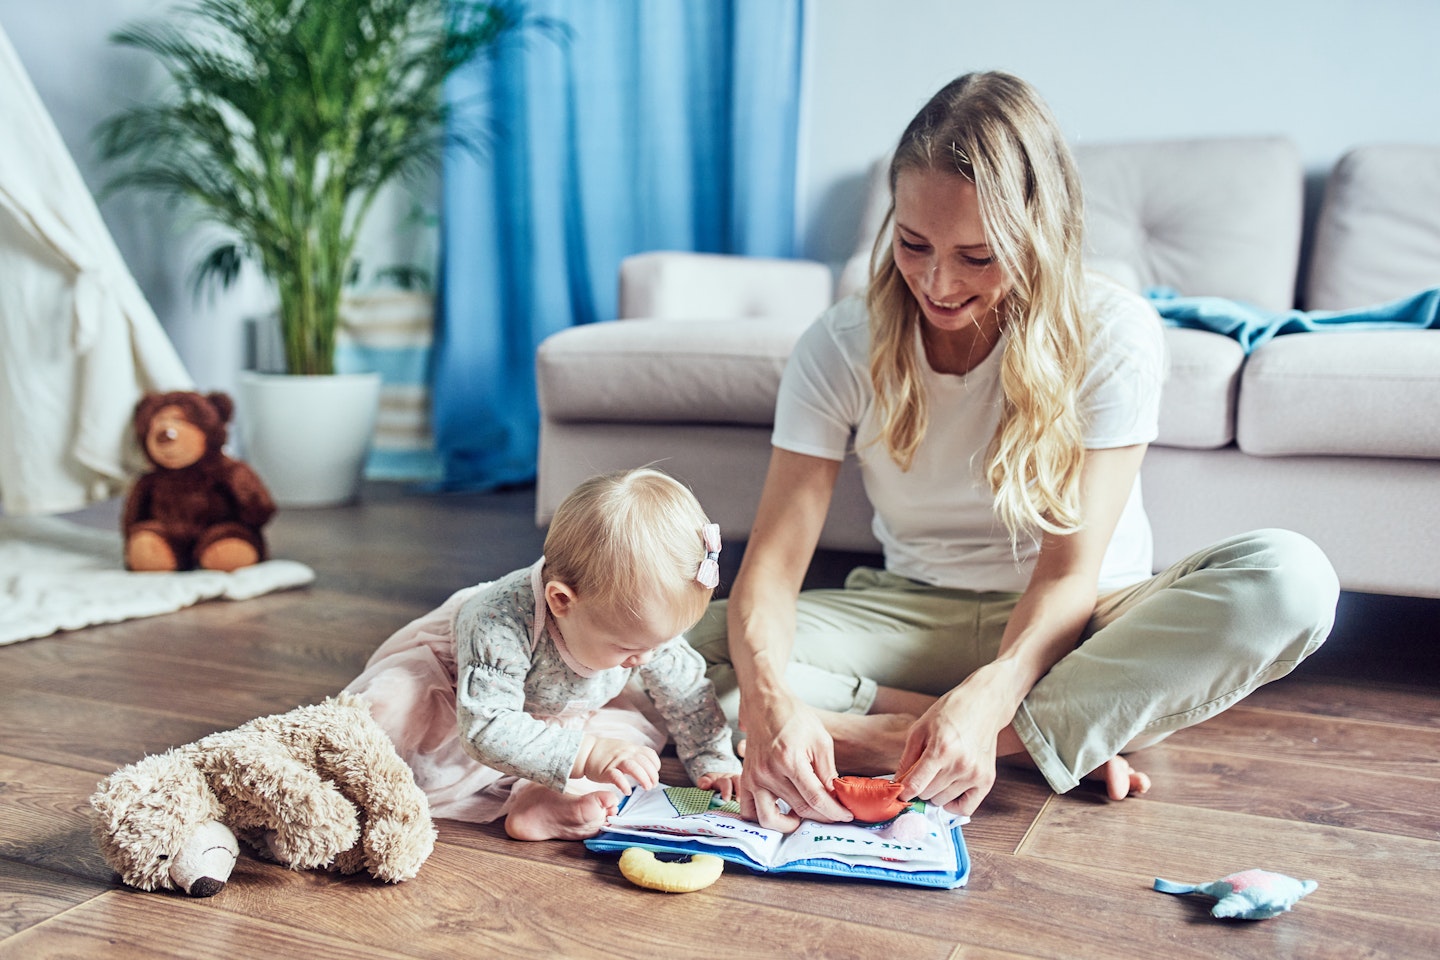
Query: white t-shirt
[937, 521]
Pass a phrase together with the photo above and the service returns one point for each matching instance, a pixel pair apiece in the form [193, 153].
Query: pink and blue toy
[1248, 895]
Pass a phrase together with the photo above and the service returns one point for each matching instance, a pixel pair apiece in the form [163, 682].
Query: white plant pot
[307, 436]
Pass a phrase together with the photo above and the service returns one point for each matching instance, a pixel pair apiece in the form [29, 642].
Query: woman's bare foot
[1120, 778]
[540, 813]
[868, 744]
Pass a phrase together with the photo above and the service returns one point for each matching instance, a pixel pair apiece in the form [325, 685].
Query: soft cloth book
[922, 845]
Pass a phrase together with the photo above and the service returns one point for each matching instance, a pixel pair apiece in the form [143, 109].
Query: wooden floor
[1332, 775]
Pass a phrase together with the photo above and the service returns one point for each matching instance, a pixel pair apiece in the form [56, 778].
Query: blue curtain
[638, 125]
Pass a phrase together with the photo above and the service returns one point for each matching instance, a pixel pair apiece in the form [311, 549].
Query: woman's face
[941, 251]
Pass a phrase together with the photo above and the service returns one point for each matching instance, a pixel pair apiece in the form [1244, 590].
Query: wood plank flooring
[1332, 774]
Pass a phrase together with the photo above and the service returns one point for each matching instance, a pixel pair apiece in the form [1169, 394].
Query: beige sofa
[1334, 434]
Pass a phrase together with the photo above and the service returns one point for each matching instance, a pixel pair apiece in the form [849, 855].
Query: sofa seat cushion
[1349, 393]
[666, 370]
[1197, 405]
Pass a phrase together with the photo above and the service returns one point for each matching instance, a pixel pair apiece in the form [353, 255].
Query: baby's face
[602, 638]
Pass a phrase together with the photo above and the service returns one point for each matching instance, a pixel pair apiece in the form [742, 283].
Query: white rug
[59, 575]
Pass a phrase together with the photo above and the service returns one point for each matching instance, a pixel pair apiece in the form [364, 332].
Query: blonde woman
[507, 700]
[1000, 400]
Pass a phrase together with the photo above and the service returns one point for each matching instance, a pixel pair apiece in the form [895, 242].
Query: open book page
[691, 813]
[919, 839]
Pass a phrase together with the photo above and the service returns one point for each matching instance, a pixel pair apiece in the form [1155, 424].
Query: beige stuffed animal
[319, 786]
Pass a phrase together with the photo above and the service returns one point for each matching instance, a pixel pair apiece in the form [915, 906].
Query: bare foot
[1120, 778]
[868, 744]
[540, 813]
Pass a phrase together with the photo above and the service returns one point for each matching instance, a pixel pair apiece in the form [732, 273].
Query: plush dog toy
[319, 786]
[198, 507]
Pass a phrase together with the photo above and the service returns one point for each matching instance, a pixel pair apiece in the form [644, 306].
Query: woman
[1000, 401]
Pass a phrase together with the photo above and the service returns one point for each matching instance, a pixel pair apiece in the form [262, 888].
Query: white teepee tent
[79, 343]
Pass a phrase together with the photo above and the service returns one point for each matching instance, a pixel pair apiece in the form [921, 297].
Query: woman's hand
[607, 760]
[789, 756]
[949, 756]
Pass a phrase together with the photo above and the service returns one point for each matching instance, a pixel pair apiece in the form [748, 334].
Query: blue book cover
[922, 845]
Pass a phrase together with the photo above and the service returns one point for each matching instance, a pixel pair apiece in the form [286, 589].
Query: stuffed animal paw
[1248, 895]
[320, 786]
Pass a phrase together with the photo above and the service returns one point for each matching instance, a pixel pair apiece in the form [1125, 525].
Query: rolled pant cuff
[1047, 761]
[865, 694]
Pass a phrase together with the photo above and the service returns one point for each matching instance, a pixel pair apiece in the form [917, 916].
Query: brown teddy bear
[319, 786]
[198, 507]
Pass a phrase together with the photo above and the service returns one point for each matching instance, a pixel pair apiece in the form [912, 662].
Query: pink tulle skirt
[410, 684]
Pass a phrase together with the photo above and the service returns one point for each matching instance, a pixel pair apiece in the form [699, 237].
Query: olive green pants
[1156, 657]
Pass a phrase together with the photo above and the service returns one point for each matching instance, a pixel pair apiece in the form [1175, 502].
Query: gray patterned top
[521, 706]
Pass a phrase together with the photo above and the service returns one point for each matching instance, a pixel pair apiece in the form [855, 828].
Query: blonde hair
[623, 539]
[996, 131]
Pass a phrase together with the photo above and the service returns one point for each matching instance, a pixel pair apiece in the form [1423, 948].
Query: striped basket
[392, 331]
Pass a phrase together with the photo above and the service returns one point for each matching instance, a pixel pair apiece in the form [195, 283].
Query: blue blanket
[1251, 326]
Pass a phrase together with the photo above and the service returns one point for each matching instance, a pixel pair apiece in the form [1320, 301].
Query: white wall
[1329, 74]
[82, 78]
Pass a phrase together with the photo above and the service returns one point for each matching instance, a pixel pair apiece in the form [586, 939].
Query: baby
[514, 698]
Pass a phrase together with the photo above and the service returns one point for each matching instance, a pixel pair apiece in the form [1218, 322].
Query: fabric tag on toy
[1248, 895]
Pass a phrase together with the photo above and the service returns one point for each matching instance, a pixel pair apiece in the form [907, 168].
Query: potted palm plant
[285, 120]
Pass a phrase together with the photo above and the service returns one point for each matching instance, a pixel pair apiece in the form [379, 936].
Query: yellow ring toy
[642, 868]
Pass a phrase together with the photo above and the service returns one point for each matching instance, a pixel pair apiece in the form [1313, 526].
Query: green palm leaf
[284, 121]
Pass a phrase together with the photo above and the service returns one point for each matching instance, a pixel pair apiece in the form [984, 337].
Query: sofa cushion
[660, 371]
[1215, 217]
[666, 370]
[679, 285]
[1352, 393]
[1377, 236]
[1197, 406]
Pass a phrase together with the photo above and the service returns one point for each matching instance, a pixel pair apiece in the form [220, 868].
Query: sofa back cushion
[1377, 236]
[1218, 216]
[1214, 217]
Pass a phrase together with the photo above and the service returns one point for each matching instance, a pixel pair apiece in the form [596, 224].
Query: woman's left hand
[949, 756]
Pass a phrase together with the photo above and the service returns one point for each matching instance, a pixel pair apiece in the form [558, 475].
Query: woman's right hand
[789, 756]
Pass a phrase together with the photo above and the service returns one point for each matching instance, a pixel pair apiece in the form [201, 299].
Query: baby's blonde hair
[624, 539]
[996, 131]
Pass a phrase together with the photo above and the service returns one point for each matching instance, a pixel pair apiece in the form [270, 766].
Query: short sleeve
[822, 395]
[1120, 397]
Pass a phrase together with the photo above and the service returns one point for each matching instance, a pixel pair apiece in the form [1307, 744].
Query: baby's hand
[725, 784]
[607, 760]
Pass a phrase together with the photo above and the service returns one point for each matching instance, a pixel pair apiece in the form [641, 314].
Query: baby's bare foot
[1120, 778]
[542, 814]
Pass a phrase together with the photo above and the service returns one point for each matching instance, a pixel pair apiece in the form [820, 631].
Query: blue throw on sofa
[1252, 326]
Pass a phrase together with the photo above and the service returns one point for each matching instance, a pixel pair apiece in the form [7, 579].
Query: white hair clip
[709, 573]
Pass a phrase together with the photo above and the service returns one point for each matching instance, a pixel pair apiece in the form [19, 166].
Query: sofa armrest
[706, 286]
